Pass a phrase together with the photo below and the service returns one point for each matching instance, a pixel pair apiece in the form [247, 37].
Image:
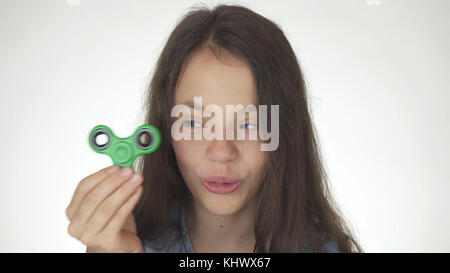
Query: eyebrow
[197, 106]
[193, 105]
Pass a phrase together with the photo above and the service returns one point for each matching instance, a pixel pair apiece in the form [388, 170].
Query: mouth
[220, 184]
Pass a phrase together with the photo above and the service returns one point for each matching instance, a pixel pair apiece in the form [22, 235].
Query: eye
[192, 124]
[248, 126]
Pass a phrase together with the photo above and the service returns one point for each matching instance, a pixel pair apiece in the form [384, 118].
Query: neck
[216, 233]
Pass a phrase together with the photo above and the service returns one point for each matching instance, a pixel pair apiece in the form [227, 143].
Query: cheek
[259, 165]
[187, 156]
[255, 159]
[182, 151]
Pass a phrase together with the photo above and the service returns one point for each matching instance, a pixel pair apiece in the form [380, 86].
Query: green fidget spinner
[123, 151]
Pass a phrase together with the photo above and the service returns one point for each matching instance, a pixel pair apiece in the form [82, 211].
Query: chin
[221, 206]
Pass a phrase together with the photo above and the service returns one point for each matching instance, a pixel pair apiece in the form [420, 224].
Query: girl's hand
[100, 211]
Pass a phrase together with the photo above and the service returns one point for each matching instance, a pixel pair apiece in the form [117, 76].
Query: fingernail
[112, 169]
[134, 178]
[125, 171]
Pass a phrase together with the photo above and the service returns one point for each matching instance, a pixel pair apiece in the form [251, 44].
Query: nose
[221, 151]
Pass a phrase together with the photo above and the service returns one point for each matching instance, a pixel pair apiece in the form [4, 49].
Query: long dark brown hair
[296, 207]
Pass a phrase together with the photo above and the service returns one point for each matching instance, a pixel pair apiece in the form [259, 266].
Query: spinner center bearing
[123, 152]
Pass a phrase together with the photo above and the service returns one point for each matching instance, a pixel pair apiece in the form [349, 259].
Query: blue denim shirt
[184, 245]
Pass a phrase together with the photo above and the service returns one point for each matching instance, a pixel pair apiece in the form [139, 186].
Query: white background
[377, 73]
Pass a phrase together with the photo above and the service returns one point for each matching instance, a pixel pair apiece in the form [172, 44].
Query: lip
[223, 185]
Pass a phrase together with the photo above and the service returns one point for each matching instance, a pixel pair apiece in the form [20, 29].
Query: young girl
[279, 201]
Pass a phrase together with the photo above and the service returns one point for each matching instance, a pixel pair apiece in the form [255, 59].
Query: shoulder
[330, 247]
[168, 244]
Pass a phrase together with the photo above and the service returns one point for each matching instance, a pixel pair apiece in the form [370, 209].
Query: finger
[130, 224]
[95, 197]
[85, 186]
[117, 222]
[109, 207]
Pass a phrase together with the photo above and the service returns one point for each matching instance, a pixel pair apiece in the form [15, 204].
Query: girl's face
[221, 84]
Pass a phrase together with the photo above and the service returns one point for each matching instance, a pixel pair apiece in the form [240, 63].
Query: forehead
[222, 79]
